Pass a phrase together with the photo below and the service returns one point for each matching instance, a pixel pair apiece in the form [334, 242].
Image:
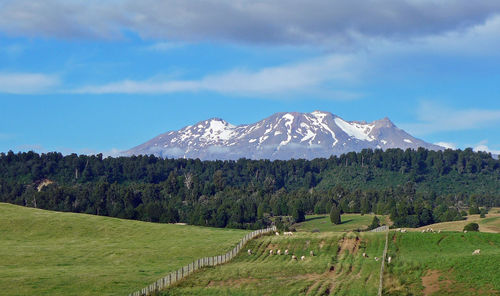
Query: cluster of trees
[415, 187]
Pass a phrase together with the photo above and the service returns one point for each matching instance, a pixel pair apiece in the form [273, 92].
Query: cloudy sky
[102, 76]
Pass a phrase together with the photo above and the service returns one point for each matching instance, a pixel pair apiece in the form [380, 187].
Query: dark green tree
[335, 215]
[375, 223]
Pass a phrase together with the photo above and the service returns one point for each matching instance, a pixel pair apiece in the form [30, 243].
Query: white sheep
[294, 257]
[476, 252]
[249, 252]
[364, 255]
[439, 231]
[303, 258]
[465, 231]
[277, 233]
[389, 260]
[311, 253]
[270, 252]
[288, 233]
[403, 230]
[278, 252]
[286, 252]
[376, 258]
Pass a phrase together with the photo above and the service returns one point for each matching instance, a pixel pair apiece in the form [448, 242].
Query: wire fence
[184, 271]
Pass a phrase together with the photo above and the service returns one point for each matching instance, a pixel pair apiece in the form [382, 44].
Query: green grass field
[491, 223]
[349, 222]
[337, 267]
[443, 264]
[52, 253]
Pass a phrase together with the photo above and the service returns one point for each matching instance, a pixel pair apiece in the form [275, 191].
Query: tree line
[415, 187]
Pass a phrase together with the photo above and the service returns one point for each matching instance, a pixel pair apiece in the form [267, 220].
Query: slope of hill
[337, 267]
[53, 253]
[421, 264]
[280, 136]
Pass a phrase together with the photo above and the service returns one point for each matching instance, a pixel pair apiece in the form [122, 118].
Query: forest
[414, 187]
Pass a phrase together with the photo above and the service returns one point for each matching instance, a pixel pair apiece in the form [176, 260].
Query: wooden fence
[184, 271]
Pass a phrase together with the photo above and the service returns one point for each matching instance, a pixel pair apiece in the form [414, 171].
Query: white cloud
[286, 79]
[481, 146]
[434, 118]
[27, 83]
[447, 145]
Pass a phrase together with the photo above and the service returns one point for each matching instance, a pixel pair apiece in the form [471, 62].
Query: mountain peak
[283, 135]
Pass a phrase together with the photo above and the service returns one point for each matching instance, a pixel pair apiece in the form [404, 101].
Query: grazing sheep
[439, 231]
[389, 260]
[364, 255]
[423, 230]
[476, 252]
[287, 233]
[270, 252]
[277, 233]
[278, 252]
[403, 230]
[303, 258]
[294, 257]
[376, 258]
[286, 252]
[465, 231]
[311, 253]
[249, 252]
[399, 229]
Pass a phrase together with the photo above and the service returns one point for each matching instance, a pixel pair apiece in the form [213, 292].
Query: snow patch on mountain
[356, 130]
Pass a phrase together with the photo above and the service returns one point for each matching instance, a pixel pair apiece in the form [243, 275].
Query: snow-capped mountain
[280, 136]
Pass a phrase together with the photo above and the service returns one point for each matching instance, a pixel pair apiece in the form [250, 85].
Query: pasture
[443, 264]
[54, 253]
[491, 223]
[350, 222]
[337, 267]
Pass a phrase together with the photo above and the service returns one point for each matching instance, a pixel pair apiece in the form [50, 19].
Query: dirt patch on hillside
[274, 247]
[321, 244]
[433, 282]
[349, 244]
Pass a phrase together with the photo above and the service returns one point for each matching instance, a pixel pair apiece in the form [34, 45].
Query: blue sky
[104, 76]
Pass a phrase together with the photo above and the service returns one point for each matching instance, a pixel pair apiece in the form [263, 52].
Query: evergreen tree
[335, 215]
[375, 223]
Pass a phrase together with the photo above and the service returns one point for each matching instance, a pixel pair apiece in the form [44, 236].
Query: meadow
[54, 253]
[491, 223]
[443, 264]
[350, 222]
[337, 267]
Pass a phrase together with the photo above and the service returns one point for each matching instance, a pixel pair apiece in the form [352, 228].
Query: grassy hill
[54, 253]
[491, 223]
[443, 264]
[337, 267]
[350, 222]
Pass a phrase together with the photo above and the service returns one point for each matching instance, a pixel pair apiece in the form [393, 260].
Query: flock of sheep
[278, 252]
[389, 259]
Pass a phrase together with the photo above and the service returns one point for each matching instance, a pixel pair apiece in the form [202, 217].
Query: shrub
[483, 213]
[472, 227]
